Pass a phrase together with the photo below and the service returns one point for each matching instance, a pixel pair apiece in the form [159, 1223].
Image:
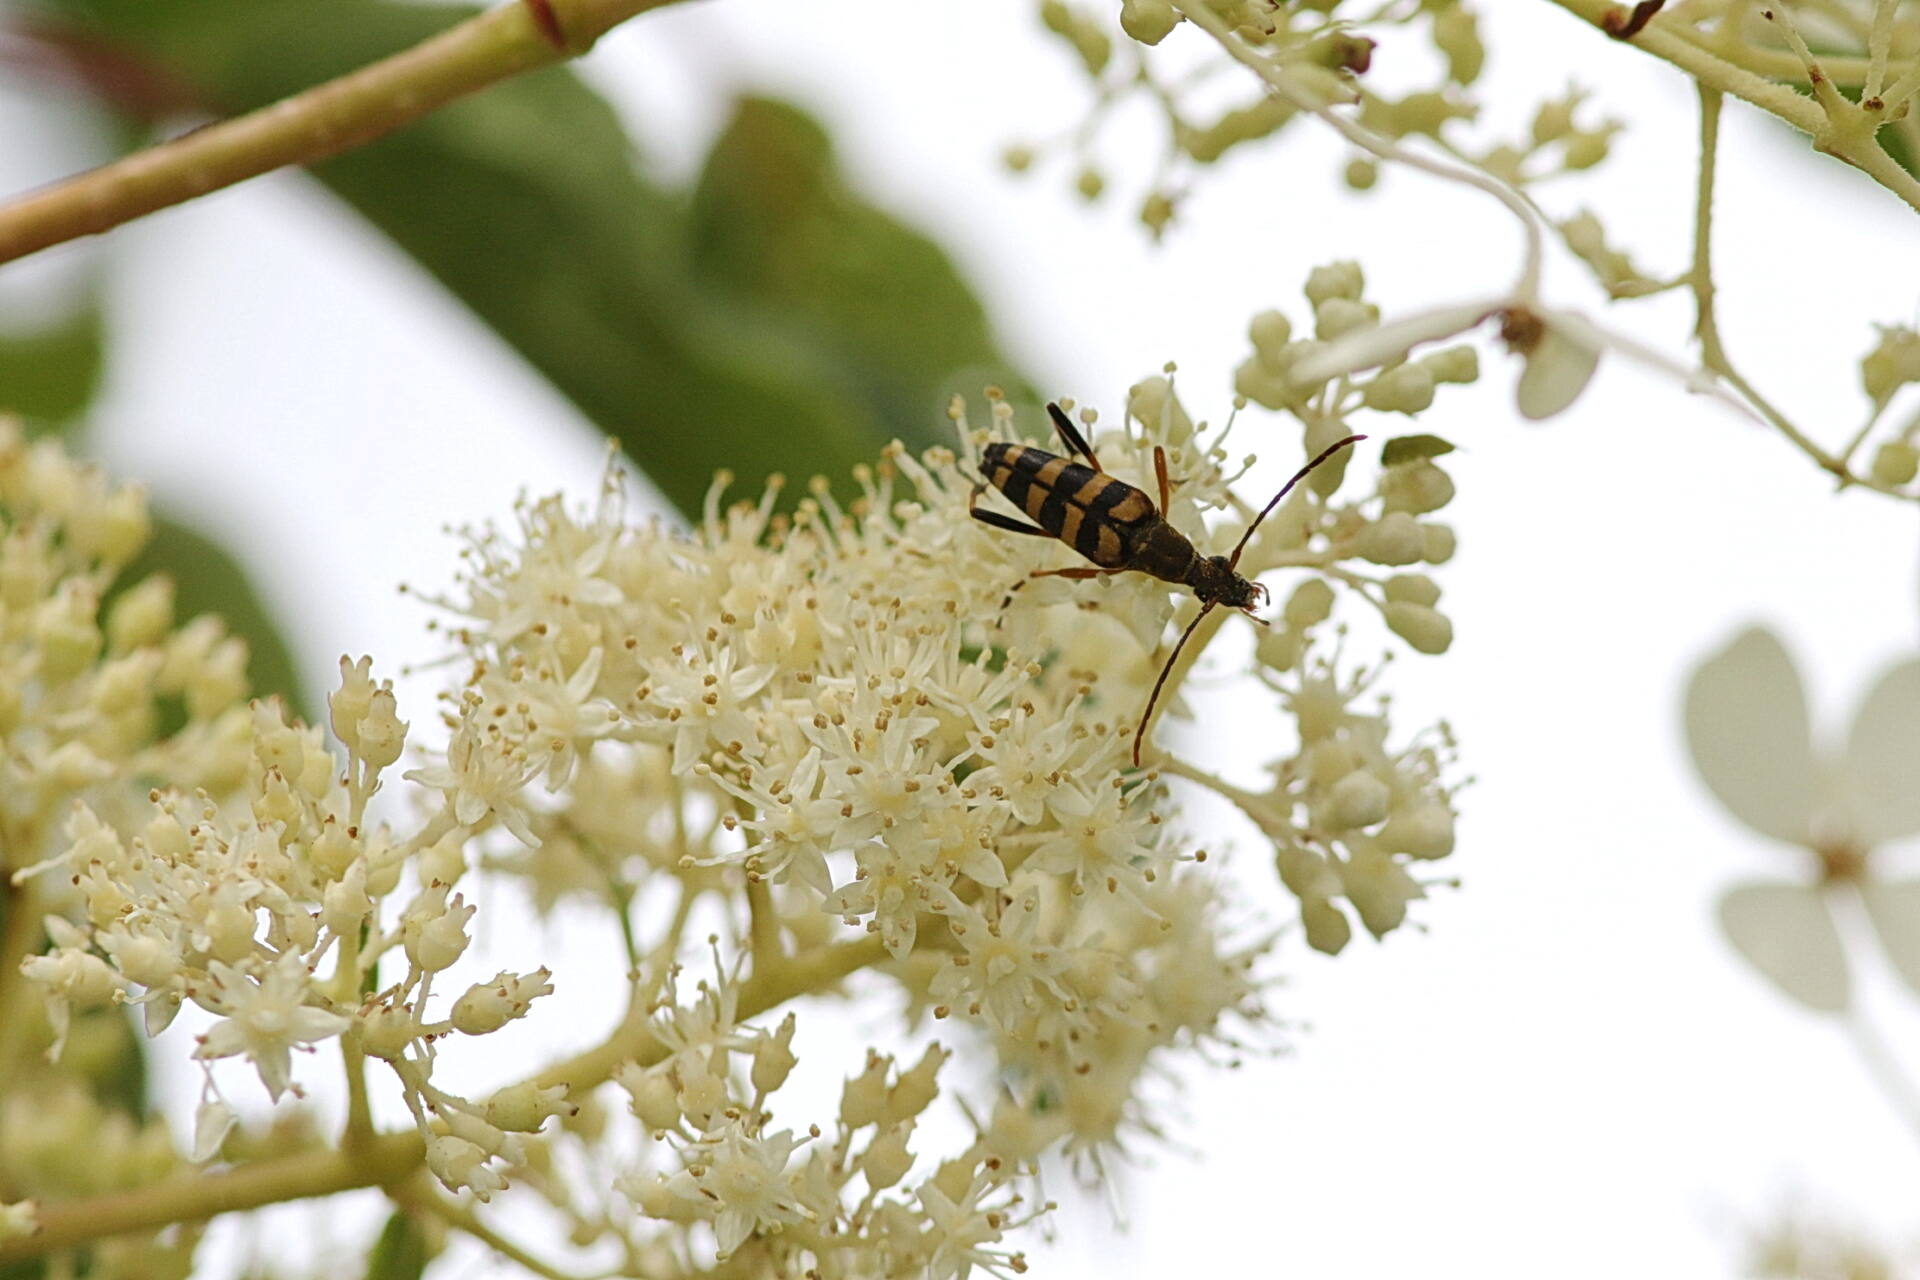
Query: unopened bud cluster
[1319, 47]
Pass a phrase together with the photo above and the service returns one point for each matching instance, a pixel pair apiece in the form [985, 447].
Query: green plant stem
[322, 121]
[1843, 131]
[385, 1159]
[1706, 327]
[20, 936]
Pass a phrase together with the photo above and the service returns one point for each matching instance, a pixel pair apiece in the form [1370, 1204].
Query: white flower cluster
[874, 736]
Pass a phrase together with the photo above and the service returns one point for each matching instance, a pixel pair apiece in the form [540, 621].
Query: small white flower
[747, 1179]
[265, 1018]
[1751, 739]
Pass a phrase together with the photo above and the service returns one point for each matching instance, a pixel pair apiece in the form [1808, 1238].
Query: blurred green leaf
[208, 580]
[526, 202]
[776, 227]
[49, 375]
[1412, 448]
[402, 1252]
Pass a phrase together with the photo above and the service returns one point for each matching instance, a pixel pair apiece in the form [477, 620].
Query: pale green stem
[1878, 39]
[763, 925]
[1902, 89]
[334, 117]
[1886, 1071]
[1712, 353]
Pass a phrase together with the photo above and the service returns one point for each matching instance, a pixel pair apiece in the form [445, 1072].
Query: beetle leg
[999, 521]
[1071, 437]
[1160, 469]
[1075, 572]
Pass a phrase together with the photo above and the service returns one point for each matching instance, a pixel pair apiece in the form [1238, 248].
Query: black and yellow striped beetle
[1117, 526]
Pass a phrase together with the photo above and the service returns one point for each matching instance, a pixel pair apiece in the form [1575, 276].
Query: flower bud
[1554, 120]
[917, 1087]
[1379, 889]
[524, 1107]
[142, 615]
[459, 1164]
[887, 1159]
[864, 1098]
[1437, 543]
[1412, 588]
[1895, 463]
[1405, 388]
[1335, 280]
[1586, 149]
[1306, 874]
[433, 931]
[773, 1058]
[1309, 605]
[702, 1088]
[1338, 316]
[1357, 800]
[1416, 487]
[1148, 21]
[1326, 762]
[1891, 364]
[1393, 539]
[1271, 331]
[381, 734]
[349, 704]
[1151, 401]
[386, 1030]
[488, 1006]
[1425, 831]
[654, 1098]
[1361, 173]
[1427, 630]
[1328, 931]
[1456, 34]
[1277, 648]
[1452, 364]
[345, 904]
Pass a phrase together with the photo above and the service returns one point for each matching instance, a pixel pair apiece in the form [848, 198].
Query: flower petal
[1386, 343]
[1746, 720]
[1894, 908]
[1557, 371]
[1883, 758]
[1786, 932]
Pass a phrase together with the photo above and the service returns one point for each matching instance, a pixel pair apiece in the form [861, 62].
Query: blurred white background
[1566, 1071]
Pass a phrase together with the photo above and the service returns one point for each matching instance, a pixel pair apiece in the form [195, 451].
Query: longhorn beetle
[1117, 526]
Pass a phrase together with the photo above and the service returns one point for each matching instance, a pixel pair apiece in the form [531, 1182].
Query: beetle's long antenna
[1233, 560]
[1145, 716]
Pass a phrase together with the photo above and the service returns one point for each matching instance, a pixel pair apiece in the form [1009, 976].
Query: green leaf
[1413, 448]
[526, 203]
[402, 1252]
[50, 374]
[208, 580]
[776, 226]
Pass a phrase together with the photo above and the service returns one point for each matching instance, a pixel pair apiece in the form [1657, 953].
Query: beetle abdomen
[1088, 510]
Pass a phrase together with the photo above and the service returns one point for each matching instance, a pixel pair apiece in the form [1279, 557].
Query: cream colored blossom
[1751, 737]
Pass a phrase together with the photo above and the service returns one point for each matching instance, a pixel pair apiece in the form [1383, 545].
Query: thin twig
[334, 117]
